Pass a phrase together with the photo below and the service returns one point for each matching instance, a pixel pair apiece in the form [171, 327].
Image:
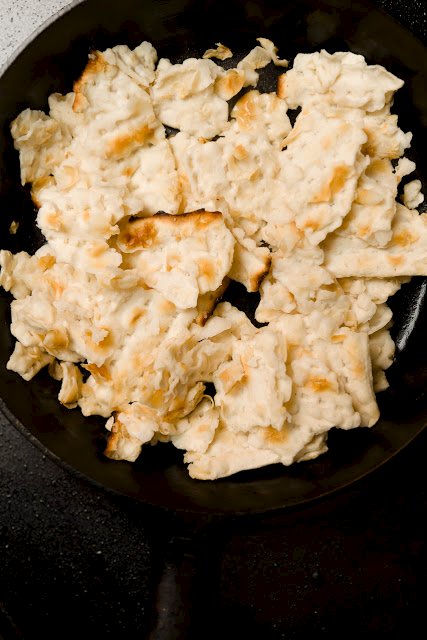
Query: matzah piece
[404, 168]
[117, 162]
[412, 196]
[381, 349]
[121, 445]
[320, 194]
[250, 262]
[357, 372]
[253, 191]
[313, 449]
[229, 453]
[207, 301]
[138, 63]
[179, 256]
[131, 427]
[342, 78]
[71, 382]
[41, 143]
[201, 173]
[146, 365]
[405, 255]
[298, 283]
[252, 388]
[237, 174]
[384, 138]
[196, 431]
[192, 96]
[258, 58]
[262, 113]
[221, 52]
[338, 366]
[20, 271]
[117, 111]
[374, 206]
[318, 403]
[27, 361]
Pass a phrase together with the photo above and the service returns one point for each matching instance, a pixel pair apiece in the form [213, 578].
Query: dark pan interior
[179, 28]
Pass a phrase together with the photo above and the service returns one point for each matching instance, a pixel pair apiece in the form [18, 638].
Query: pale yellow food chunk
[179, 256]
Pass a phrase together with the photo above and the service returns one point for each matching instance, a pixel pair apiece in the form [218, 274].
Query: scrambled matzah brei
[145, 227]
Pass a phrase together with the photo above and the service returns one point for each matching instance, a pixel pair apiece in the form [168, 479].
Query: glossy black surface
[50, 63]
[76, 561]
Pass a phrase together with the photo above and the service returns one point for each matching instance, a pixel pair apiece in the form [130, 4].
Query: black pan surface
[180, 28]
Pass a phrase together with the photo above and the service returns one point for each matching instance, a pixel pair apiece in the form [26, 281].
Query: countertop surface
[75, 559]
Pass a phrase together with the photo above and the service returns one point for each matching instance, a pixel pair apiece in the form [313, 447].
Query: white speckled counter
[19, 18]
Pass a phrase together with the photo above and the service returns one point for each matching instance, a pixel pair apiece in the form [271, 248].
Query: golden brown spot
[56, 339]
[202, 219]
[140, 363]
[364, 230]
[38, 185]
[357, 367]
[404, 238]
[312, 224]
[396, 261]
[97, 251]
[136, 315]
[338, 337]
[156, 399]
[128, 171]
[56, 287]
[100, 374]
[245, 110]
[46, 262]
[371, 146]
[232, 375]
[111, 450]
[378, 166]
[118, 146]
[333, 287]
[229, 84]
[96, 64]
[70, 176]
[367, 197]
[318, 385]
[240, 153]
[182, 406]
[256, 279]
[86, 215]
[203, 428]
[207, 301]
[255, 175]
[206, 269]
[274, 436]
[183, 188]
[166, 307]
[141, 234]
[281, 86]
[333, 186]
[101, 345]
[53, 221]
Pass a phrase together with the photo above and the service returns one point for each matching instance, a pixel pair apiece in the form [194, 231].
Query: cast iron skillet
[50, 62]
